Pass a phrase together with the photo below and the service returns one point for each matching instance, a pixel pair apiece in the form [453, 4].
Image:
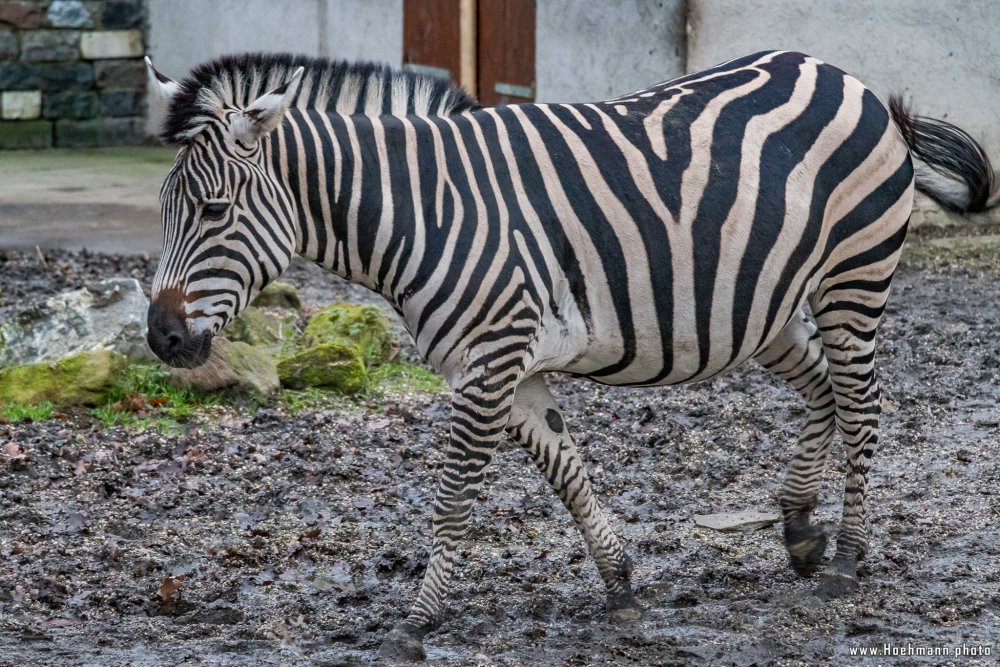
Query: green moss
[338, 366]
[406, 378]
[364, 326]
[80, 379]
[268, 329]
[279, 295]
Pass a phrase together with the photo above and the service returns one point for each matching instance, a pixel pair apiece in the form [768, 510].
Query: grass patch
[980, 251]
[406, 378]
[295, 401]
[27, 413]
[143, 397]
[383, 380]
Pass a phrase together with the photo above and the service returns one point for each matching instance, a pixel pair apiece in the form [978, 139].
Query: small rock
[8, 44]
[107, 44]
[49, 46]
[23, 15]
[69, 14]
[233, 366]
[279, 295]
[729, 522]
[73, 104]
[218, 612]
[364, 326]
[119, 14]
[79, 379]
[21, 104]
[337, 365]
[109, 315]
[121, 102]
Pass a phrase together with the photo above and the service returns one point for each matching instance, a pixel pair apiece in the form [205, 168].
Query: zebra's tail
[955, 170]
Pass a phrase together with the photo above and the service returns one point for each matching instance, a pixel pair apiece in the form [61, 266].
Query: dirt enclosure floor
[279, 537]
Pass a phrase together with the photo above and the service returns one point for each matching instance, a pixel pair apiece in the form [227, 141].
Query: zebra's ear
[165, 87]
[266, 112]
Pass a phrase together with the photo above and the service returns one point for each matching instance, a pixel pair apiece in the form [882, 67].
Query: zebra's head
[227, 218]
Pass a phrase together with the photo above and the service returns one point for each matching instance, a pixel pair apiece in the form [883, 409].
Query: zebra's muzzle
[170, 340]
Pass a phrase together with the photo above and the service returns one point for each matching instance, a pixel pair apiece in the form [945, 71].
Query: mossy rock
[338, 366]
[364, 326]
[79, 379]
[279, 295]
[263, 327]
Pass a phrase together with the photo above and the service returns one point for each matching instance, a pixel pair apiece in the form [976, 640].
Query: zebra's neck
[353, 188]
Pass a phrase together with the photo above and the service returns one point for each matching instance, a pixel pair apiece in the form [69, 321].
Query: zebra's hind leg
[537, 424]
[796, 355]
[848, 318]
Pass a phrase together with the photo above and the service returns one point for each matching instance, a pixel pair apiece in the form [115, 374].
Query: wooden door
[488, 46]
[432, 37]
[506, 51]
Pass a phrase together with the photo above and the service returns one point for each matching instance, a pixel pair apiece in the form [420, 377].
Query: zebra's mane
[329, 85]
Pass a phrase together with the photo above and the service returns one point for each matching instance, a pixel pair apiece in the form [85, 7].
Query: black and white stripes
[658, 238]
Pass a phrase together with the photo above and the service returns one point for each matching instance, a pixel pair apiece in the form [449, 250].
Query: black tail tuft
[959, 174]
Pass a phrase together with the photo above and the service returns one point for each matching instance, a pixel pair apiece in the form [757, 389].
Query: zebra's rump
[701, 214]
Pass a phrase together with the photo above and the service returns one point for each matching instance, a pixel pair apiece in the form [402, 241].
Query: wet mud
[277, 538]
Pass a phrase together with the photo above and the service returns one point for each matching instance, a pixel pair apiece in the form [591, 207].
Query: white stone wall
[943, 55]
[588, 50]
[363, 30]
[184, 33]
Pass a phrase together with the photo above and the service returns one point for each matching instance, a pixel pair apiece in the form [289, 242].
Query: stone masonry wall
[71, 73]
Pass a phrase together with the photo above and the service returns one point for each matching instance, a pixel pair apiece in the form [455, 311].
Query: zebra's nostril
[174, 341]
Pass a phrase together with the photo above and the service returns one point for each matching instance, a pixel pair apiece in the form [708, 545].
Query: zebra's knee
[797, 505]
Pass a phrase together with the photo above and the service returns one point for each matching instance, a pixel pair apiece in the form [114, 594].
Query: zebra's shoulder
[373, 89]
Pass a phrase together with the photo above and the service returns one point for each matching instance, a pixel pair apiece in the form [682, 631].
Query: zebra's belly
[650, 366]
[648, 354]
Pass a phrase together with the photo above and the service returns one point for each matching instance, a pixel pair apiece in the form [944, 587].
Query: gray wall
[184, 33]
[595, 49]
[942, 56]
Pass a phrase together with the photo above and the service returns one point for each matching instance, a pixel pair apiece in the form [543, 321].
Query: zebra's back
[691, 220]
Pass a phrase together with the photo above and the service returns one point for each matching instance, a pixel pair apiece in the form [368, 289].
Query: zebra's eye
[214, 210]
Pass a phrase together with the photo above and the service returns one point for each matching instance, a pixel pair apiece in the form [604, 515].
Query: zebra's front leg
[479, 416]
[537, 424]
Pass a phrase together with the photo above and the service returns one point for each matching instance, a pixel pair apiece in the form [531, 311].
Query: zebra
[755, 210]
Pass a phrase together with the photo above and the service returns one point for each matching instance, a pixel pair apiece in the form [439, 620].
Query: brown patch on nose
[168, 335]
[171, 301]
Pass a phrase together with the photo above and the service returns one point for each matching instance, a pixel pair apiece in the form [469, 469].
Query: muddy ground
[272, 538]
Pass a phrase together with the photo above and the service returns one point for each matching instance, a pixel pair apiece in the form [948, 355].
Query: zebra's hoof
[806, 555]
[401, 646]
[623, 608]
[837, 584]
